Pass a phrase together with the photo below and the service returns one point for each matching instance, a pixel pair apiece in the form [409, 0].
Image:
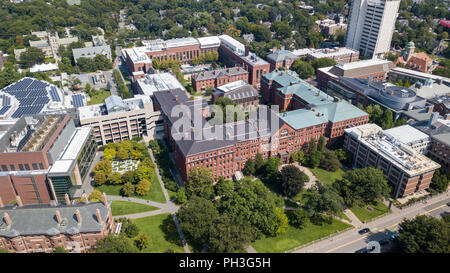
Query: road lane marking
[381, 230]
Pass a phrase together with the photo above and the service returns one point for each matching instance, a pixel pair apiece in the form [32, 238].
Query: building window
[21, 167]
[11, 166]
[35, 167]
[4, 168]
[27, 167]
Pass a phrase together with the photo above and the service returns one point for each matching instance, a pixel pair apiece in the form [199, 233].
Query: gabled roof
[281, 55]
[302, 118]
[114, 103]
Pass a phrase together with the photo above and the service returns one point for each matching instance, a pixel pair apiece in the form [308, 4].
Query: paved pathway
[353, 219]
[250, 249]
[168, 207]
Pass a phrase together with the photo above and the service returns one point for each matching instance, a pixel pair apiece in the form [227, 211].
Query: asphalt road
[383, 228]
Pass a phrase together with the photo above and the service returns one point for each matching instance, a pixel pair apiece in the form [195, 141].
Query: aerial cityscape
[224, 126]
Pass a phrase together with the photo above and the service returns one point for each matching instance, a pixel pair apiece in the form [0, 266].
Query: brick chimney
[171, 91]
[58, 216]
[99, 216]
[78, 216]
[19, 201]
[66, 197]
[105, 201]
[85, 198]
[1, 203]
[274, 49]
[247, 50]
[6, 218]
[176, 98]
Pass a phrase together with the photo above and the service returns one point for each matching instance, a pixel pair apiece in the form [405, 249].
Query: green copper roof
[410, 44]
[340, 111]
[302, 118]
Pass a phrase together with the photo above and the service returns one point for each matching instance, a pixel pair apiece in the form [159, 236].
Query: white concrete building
[371, 25]
[118, 119]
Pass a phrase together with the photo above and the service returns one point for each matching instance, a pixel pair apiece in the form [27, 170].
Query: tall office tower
[371, 25]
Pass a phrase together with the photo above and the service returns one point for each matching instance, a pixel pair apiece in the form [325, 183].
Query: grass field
[364, 214]
[124, 207]
[294, 237]
[327, 177]
[99, 97]
[162, 231]
[155, 194]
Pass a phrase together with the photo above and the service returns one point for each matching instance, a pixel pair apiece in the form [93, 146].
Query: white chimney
[78, 216]
[58, 216]
[6, 218]
[66, 197]
[99, 216]
[19, 201]
[105, 201]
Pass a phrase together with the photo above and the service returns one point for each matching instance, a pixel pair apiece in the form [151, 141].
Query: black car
[362, 250]
[363, 231]
[383, 242]
[448, 204]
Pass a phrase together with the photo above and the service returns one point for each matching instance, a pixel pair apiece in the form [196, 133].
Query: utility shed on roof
[114, 103]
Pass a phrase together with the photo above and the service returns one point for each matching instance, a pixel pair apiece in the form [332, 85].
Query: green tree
[60, 249]
[303, 69]
[297, 218]
[440, 180]
[323, 200]
[297, 156]
[127, 189]
[99, 178]
[323, 62]
[197, 217]
[122, 154]
[95, 196]
[321, 144]
[103, 166]
[292, 180]
[115, 178]
[330, 161]
[250, 167]
[200, 182]
[259, 162]
[32, 56]
[423, 234]
[230, 234]
[279, 222]
[224, 186]
[114, 243]
[143, 187]
[109, 153]
[142, 242]
[181, 196]
[363, 186]
[129, 227]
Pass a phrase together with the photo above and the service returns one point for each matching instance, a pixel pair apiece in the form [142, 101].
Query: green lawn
[124, 207]
[327, 177]
[99, 97]
[155, 194]
[162, 231]
[294, 237]
[364, 214]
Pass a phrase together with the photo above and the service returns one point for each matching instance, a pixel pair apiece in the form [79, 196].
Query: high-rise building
[371, 25]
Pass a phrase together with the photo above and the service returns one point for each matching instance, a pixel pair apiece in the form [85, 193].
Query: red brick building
[36, 162]
[218, 77]
[179, 49]
[281, 59]
[233, 53]
[75, 227]
[408, 172]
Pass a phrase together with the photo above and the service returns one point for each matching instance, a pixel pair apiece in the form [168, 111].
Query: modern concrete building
[362, 92]
[371, 24]
[376, 69]
[42, 228]
[43, 157]
[119, 119]
[405, 168]
[152, 83]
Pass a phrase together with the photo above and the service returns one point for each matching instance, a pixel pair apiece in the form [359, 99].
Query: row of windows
[23, 167]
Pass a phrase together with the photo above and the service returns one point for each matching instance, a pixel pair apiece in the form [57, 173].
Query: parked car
[362, 250]
[395, 235]
[363, 231]
[383, 242]
[448, 204]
